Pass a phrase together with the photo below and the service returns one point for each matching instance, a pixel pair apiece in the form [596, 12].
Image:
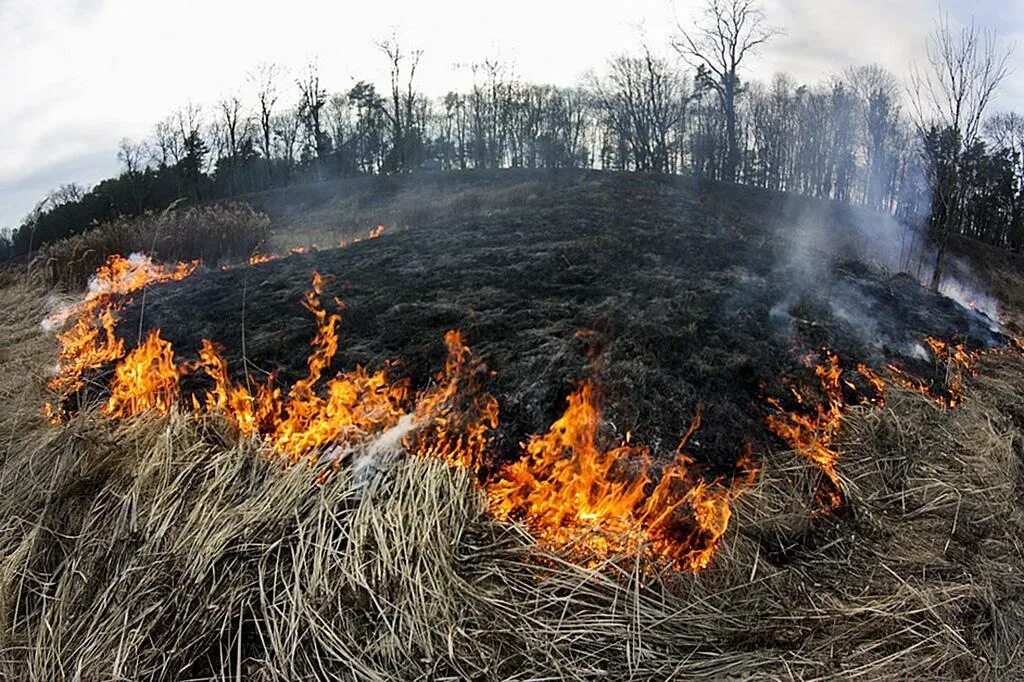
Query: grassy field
[168, 548]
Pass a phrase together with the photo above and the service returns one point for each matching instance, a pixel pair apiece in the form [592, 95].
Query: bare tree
[716, 46]
[235, 123]
[400, 114]
[265, 81]
[965, 67]
[644, 100]
[313, 98]
[877, 92]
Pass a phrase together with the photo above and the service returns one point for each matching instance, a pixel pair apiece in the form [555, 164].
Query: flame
[457, 414]
[257, 258]
[572, 492]
[358, 403]
[376, 232]
[812, 426]
[90, 342]
[147, 379]
[252, 414]
[957, 364]
[810, 430]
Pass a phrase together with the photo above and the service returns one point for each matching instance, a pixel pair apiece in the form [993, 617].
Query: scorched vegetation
[623, 427]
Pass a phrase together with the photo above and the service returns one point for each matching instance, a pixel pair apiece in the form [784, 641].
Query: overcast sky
[78, 75]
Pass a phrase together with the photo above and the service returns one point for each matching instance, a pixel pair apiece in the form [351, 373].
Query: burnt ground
[695, 292]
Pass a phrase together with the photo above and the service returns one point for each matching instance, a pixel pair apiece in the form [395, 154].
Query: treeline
[857, 138]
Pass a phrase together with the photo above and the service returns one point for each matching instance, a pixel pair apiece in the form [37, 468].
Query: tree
[643, 100]
[133, 156]
[716, 47]
[878, 94]
[404, 136]
[1006, 130]
[313, 99]
[965, 68]
[265, 81]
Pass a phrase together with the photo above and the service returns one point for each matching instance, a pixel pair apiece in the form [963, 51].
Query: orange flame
[811, 431]
[147, 379]
[90, 341]
[572, 492]
[458, 414]
[957, 364]
[358, 403]
[570, 487]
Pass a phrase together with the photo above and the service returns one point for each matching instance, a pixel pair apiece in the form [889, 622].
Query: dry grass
[163, 549]
[212, 233]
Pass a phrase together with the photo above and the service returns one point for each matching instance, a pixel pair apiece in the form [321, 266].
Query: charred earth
[666, 292]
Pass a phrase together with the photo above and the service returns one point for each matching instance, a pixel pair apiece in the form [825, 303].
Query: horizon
[65, 125]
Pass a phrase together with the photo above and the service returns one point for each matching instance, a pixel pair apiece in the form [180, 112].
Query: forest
[924, 148]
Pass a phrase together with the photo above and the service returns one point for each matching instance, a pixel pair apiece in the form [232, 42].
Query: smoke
[820, 239]
[367, 460]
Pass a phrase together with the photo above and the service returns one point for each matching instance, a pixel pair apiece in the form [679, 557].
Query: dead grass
[211, 233]
[163, 549]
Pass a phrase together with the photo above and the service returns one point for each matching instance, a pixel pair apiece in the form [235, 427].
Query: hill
[835, 449]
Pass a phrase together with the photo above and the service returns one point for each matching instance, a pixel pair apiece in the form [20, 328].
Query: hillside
[687, 293]
[836, 451]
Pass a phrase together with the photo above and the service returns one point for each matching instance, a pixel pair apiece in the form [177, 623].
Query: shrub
[212, 233]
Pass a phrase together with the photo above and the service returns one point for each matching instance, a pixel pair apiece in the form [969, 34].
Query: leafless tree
[400, 115]
[286, 127]
[644, 100]
[715, 46]
[313, 98]
[965, 68]
[264, 78]
[235, 123]
[878, 93]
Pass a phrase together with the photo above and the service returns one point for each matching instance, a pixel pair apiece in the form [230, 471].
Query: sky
[80, 75]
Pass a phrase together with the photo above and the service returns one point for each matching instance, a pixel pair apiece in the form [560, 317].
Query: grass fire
[554, 454]
[677, 370]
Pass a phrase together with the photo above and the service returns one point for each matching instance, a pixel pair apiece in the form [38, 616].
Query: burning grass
[208, 542]
[574, 493]
[164, 548]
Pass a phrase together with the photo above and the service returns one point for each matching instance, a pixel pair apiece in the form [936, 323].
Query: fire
[257, 258]
[572, 491]
[147, 379]
[957, 365]
[356, 404]
[376, 232]
[812, 426]
[90, 341]
[252, 414]
[457, 414]
[811, 429]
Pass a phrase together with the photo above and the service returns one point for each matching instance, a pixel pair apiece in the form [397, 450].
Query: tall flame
[572, 491]
[90, 342]
[457, 415]
[147, 379]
